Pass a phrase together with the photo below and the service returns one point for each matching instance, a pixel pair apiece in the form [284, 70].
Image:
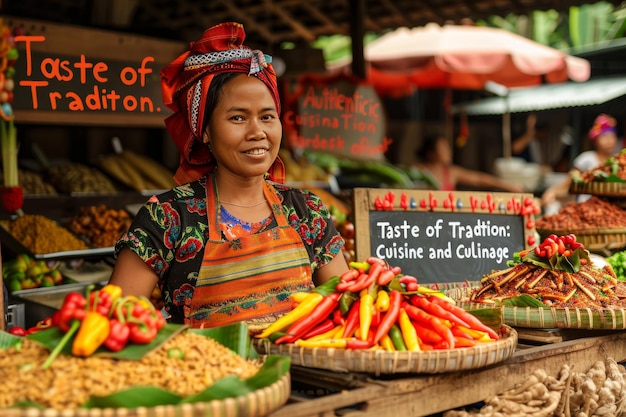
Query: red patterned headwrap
[185, 84]
[603, 124]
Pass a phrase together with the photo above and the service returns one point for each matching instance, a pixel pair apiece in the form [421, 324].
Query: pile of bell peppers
[103, 318]
[374, 306]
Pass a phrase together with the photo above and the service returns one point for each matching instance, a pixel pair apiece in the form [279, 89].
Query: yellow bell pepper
[301, 310]
[114, 291]
[93, 331]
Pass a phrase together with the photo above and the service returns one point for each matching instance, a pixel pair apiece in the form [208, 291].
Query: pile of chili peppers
[375, 306]
[103, 318]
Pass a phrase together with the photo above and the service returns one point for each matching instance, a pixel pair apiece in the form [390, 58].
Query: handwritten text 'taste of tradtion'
[84, 72]
[399, 240]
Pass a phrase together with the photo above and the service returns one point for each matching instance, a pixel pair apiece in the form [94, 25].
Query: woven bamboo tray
[607, 189]
[382, 362]
[255, 404]
[595, 239]
[551, 317]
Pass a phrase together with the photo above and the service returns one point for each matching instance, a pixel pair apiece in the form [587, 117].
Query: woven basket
[552, 317]
[382, 362]
[607, 189]
[593, 239]
[255, 404]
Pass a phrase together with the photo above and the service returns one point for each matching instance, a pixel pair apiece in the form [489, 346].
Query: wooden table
[353, 394]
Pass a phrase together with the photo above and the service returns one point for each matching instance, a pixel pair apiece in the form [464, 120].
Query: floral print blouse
[170, 231]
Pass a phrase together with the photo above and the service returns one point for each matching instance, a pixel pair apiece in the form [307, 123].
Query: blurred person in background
[435, 160]
[603, 136]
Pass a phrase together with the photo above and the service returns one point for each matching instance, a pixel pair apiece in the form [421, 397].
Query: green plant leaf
[524, 300]
[234, 336]
[134, 397]
[7, 340]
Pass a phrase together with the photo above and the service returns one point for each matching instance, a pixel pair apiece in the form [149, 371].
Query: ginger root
[598, 392]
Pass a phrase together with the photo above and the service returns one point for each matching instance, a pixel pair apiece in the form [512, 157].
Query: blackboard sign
[339, 116]
[440, 236]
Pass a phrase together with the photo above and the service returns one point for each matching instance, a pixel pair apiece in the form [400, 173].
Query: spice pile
[601, 391]
[41, 235]
[375, 306]
[614, 168]
[557, 272]
[591, 214]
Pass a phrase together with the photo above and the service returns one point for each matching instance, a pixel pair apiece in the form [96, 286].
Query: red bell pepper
[118, 336]
[73, 308]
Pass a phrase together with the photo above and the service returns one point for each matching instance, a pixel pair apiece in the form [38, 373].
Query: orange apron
[248, 278]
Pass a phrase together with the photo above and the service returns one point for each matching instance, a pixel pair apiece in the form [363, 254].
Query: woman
[231, 243]
[603, 136]
[436, 157]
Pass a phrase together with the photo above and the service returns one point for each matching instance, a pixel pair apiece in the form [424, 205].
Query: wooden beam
[357, 33]
[291, 22]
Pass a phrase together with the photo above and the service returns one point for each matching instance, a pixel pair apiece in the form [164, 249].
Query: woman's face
[605, 143]
[443, 151]
[245, 129]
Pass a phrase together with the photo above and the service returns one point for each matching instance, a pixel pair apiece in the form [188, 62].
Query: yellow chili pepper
[365, 314]
[382, 301]
[363, 266]
[332, 333]
[301, 310]
[93, 331]
[300, 296]
[409, 334]
[476, 334]
[387, 343]
[436, 293]
[322, 343]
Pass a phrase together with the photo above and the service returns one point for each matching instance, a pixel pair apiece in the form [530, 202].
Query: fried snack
[590, 287]
[99, 225]
[70, 381]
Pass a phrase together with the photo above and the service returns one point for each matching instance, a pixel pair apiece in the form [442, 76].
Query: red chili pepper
[319, 314]
[391, 316]
[323, 327]
[365, 280]
[354, 343]
[386, 277]
[433, 322]
[426, 334]
[474, 322]
[436, 310]
[353, 320]
[338, 318]
[350, 275]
